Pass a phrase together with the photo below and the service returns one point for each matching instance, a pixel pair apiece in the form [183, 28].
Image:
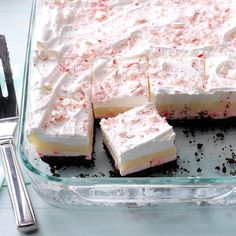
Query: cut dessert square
[177, 86]
[118, 85]
[139, 139]
[221, 85]
[60, 120]
[60, 117]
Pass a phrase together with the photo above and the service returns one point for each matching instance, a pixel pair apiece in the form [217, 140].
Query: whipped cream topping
[138, 131]
[198, 24]
[228, 50]
[115, 78]
[84, 31]
[178, 75]
[221, 73]
[111, 28]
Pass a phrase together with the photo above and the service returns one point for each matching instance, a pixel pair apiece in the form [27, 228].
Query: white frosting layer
[116, 79]
[221, 73]
[198, 24]
[137, 132]
[183, 75]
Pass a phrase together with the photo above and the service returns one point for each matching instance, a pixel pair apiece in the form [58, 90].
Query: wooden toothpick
[149, 90]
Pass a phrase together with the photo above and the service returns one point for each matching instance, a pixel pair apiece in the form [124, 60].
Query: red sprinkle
[51, 122]
[61, 99]
[64, 68]
[227, 10]
[45, 125]
[60, 118]
[131, 64]
[114, 61]
[200, 55]
[165, 113]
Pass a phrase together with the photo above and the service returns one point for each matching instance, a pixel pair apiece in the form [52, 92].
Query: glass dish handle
[152, 194]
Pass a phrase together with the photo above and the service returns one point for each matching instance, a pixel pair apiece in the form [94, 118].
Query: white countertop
[202, 220]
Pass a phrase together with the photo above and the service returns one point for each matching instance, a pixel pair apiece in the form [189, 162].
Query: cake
[139, 139]
[119, 85]
[60, 116]
[194, 84]
[94, 59]
[177, 86]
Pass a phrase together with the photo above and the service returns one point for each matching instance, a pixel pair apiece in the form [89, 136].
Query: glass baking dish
[204, 172]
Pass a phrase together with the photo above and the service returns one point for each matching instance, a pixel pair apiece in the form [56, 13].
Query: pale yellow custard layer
[161, 156]
[53, 147]
[109, 111]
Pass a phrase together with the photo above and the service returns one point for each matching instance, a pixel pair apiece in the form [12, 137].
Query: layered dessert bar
[59, 115]
[221, 82]
[139, 139]
[177, 86]
[118, 85]
[61, 118]
[184, 86]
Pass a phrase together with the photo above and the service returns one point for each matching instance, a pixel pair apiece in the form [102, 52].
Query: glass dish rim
[94, 180]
